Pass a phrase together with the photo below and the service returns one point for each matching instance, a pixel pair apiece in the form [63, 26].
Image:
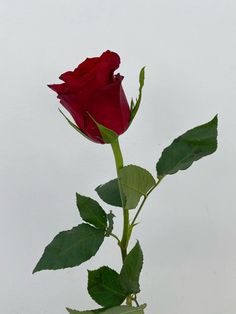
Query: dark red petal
[58, 88]
[104, 72]
[97, 71]
[109, 107]
[86, 66]
[112, 59]
[77, 116]
[67, 76]
[76, 104]
[79, 121]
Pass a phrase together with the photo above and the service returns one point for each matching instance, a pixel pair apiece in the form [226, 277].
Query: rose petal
[109, 107]
[58, 88]
[112, 59]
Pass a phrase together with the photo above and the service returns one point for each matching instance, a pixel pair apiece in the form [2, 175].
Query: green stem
[118, 156]
[115, 236]
[119, 165]
[127, 227]
[143, 201]
[125, 236]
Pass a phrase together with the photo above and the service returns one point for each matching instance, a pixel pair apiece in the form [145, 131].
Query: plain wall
[187, 228]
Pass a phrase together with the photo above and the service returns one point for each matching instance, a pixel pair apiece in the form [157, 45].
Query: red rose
[93, 93]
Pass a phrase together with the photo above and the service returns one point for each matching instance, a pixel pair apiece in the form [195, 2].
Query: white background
[188, 228]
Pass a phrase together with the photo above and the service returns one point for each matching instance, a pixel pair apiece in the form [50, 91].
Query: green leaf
[187, 148]
[104, 287]
[82, 312]
[110, 219]
[91, 211]
[110, 193]
[135, 106]
[123, 309]
[75, 126]
[135, 182]
[71, 248]
[129, 275]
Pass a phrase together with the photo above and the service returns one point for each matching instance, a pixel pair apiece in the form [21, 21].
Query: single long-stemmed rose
[94, 97]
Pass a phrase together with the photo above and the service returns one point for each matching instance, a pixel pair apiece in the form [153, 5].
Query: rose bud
[94, 96]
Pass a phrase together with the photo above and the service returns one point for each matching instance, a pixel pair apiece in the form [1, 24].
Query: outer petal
[86, 66]
[59, 88]
[112, 59]
[94, 72]
[76, 104]
[109, 107]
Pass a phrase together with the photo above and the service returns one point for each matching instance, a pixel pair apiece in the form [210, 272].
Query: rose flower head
[94, 96]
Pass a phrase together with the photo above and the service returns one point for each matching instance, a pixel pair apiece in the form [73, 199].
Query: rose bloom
[92, 93]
